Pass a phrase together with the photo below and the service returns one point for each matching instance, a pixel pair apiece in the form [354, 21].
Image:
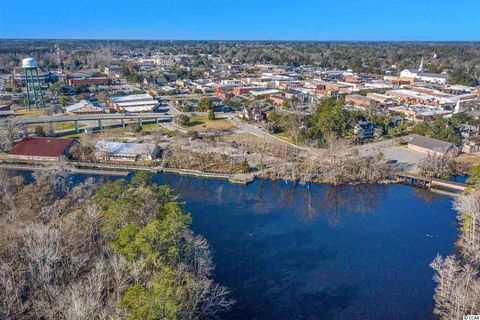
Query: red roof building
[39, 148]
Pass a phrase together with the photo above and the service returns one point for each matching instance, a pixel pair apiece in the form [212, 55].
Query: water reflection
[310, 251]
[309, 200]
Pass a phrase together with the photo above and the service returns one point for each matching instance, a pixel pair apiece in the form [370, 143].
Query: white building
[86, 107]
[125, 151]
[261, 93]
[421, 75]
[165, 60]
[135, 103]
[424, 76]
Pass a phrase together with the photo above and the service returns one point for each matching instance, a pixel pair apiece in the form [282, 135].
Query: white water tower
[30, 68]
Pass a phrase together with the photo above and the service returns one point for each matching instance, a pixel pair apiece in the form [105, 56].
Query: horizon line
[237, 40]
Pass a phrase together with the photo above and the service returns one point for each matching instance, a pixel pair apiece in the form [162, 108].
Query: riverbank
[289, 250]
[443, 186]
[120, 169]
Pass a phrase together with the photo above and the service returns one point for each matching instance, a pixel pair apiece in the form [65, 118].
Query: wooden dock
[433, 184]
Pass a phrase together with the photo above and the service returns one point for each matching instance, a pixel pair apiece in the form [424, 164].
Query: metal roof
[124, 149]
[85, 103]
[41, 147]
[431, 144]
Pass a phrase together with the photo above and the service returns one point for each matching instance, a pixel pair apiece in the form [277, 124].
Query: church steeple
[420, 69]
[457, 107]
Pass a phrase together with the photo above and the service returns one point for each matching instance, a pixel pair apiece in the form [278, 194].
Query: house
[291, 93]
[125, 151]
[187, 105]
[5, 111]
[86, 107]
[365, 130]
[471, 145]
[149, 81]
[134, 103]
[170, 76]
[41, 148]
[432, 146]
[278, 100]
[113, 71]
[253, 114]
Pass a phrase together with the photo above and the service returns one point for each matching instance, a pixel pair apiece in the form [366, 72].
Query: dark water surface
[320, 252]
[291, 251]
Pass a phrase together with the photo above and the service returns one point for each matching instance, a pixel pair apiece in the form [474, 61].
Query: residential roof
[6, 112]
[474, 140]
[41, 147]
[431, 144]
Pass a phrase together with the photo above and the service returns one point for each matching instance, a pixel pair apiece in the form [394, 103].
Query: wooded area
[120, 250]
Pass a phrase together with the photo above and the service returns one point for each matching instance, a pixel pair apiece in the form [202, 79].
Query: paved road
[407, 160]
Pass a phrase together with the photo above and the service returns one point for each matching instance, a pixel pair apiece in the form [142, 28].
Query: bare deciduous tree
[437, 166]
[457, 277]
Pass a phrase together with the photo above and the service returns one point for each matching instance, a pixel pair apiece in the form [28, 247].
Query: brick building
[89, 81]
[358, 100]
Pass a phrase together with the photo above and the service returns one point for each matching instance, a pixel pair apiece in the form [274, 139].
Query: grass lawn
[33, 113]
[66, 125]
[284, 136]
[472, 160]
[201, 123]
[151, 127]
[72, 136]
[56, 126]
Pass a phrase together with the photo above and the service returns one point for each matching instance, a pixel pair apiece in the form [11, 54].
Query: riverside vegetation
[120, 250]
[458, 275]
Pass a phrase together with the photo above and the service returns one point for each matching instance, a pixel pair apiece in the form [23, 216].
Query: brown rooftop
[41, 147]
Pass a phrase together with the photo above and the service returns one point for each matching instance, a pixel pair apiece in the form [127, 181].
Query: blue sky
[443, 20]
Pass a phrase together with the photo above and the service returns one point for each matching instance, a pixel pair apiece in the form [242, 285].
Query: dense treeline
[122, 250]
[461, 60]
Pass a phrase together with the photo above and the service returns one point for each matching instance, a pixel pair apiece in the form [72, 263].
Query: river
[290, 251]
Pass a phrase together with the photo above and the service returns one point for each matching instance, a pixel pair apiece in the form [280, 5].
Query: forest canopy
[120, 250]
